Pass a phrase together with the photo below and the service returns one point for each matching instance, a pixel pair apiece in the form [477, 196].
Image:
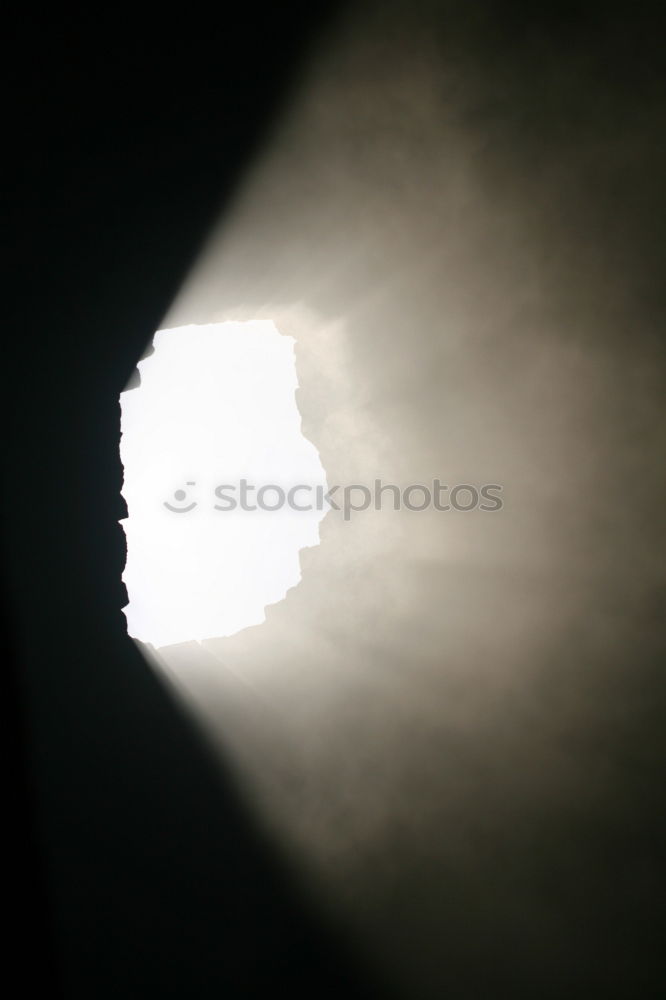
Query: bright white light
[216, 405]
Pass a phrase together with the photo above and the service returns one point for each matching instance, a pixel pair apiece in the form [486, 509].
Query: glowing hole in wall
[221, 486]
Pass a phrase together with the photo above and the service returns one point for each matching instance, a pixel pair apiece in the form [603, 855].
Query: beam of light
[216, 405]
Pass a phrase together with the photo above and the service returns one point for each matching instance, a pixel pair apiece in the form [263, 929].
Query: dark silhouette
[158, 882]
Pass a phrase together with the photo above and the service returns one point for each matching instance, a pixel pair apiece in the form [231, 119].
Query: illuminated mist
[430, 721]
